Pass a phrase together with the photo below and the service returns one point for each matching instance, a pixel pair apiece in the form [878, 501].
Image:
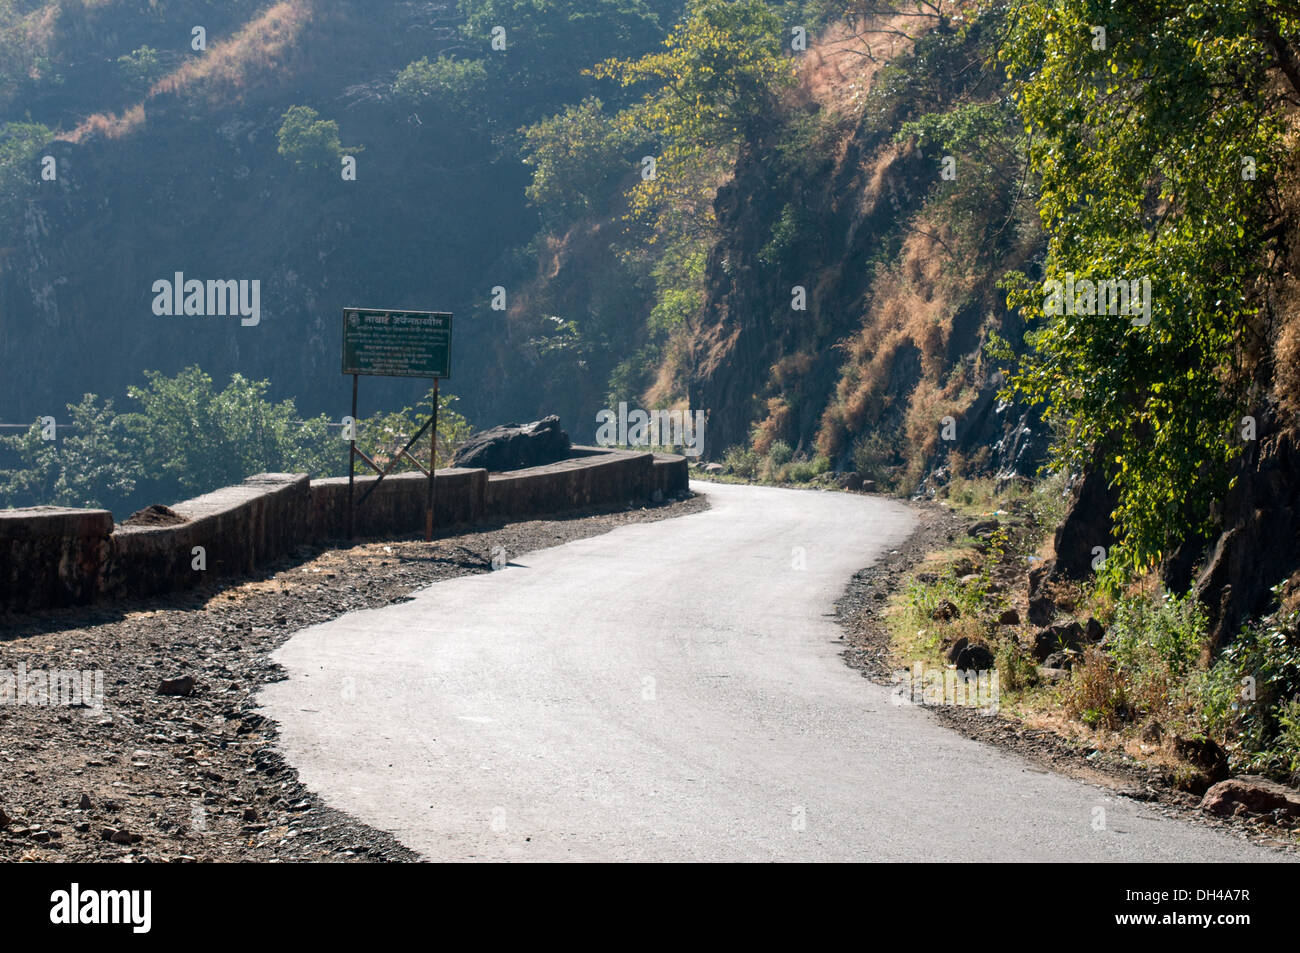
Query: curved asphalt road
[673, 691]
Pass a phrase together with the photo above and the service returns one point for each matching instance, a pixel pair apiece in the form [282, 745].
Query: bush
[309, 142]
[451, 85]
[1016, 668]
[874, 455]
[1250, 696]
[743, 462]
[1097, 693]
[141, 69]
[1151, 633]
[779, 454]
[800, 472]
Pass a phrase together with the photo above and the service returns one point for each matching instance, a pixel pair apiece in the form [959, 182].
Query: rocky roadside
[861, 612]
[177, 765]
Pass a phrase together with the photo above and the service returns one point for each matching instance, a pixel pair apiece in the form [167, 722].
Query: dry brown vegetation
[260, 47]
[911, 309]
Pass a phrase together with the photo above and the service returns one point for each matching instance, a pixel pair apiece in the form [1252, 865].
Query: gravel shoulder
[194, 777]
[861, 613]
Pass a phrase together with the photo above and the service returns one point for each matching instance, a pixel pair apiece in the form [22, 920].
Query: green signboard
[397, 343]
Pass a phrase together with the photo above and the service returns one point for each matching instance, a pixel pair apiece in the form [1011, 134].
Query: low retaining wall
[237, 529]
[397, 504]
[582, 481]
[51, 556]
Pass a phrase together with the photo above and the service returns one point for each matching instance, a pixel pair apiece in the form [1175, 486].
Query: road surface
[673, 691]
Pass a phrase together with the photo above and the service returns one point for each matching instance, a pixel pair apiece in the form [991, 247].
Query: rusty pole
[352, 454]
[433, 463]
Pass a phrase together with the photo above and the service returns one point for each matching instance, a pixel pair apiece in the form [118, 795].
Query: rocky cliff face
[890, 341]
[1259, 546]
[750, 324]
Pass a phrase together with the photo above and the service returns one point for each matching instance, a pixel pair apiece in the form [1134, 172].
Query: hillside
[179, 172]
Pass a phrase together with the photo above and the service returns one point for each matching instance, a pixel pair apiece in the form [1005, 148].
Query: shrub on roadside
[743, 462]
[779, 454]
[1251, 697]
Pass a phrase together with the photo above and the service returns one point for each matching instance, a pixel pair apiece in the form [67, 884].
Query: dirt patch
[155, 515]
[181, 772]
[861, 612]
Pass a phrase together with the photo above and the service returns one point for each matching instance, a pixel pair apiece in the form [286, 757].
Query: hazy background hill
[184, 175]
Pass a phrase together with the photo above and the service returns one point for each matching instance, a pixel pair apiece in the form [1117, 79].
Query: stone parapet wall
[52, 556]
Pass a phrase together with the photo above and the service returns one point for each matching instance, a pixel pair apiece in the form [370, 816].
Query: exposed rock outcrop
[515, 446]
[1261, 545]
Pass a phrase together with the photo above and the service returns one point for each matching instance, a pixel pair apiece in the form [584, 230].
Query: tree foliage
[91, 464]
[20, 144]
[576, 156]
[187, 437]
[549, 42]
[716, 82]
[141, 68]
[1145, 145]
[454, 86]
[308, 141]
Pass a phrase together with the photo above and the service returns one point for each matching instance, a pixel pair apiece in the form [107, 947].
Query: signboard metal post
[433, 462]
[396, 344]
[352, 454]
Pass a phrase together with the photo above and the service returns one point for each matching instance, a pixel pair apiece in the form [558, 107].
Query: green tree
[716, 83]
[454, 86]
[93, 462]
[577, 156]
[718, 77]
[1145, 145]
[141, 68]
[549, 42]
[383, 435]
[308, 141]
[20, 144]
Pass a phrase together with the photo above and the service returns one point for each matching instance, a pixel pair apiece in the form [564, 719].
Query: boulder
[1009, 617]
[1041, 607]
[1249, 794]
[1057, 638]
[945, 611]
[515, 446]
[974, 658]
[182, 686]
[1207, 757]
[1062, 661]
[850, 481]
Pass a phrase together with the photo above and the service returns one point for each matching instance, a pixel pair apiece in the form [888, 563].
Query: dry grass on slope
[260, 47]
[911, 312]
